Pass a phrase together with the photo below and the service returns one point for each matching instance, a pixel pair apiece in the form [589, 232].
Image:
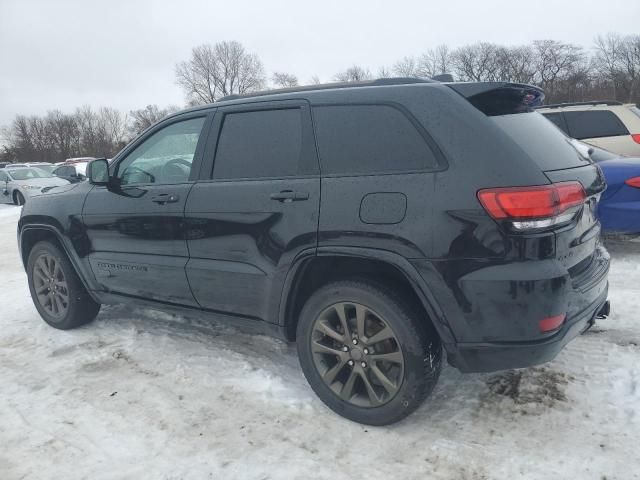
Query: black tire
[417, 341]
[18, 199]
[80, 307]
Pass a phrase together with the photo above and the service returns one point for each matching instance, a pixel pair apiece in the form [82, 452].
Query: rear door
[255, 209]
[136, 231]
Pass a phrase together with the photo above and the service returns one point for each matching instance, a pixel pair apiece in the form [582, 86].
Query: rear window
[369, 139]
[594, 124]
[544, 143]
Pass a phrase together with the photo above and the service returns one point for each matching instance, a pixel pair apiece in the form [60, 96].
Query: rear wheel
[56, 289]
[367, 352]
[18, 198]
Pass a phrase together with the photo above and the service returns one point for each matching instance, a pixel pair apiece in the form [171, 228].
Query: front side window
[165, 157]
[259, 144]
[369, 139]
[594, 124]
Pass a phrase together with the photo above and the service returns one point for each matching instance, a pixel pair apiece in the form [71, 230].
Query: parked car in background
[22, 183]
[452, 217]
[73, 172]
[619, 207]
[610, 125]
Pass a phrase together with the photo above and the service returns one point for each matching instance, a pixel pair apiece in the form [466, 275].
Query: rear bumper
[489, 357]
[493, 311]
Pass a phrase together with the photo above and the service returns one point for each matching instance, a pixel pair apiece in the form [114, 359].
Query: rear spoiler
[500, 98]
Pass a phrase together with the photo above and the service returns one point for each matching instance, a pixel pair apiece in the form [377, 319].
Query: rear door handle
[290, 196]
[163, 198]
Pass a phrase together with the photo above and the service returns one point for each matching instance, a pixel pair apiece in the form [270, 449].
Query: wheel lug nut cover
[350, 363]
[355, 341]
[364, 364]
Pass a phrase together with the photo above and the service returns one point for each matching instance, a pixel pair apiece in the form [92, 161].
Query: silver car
[19, 184]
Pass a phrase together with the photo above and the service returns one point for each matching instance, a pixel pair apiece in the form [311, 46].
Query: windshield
[28, 173]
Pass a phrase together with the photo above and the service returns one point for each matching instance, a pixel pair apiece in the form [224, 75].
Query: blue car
[619, 208]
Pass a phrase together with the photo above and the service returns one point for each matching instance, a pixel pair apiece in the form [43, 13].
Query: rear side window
[64, 171]
[594, 124]
[544, 143]
[258, 144]
[369, 139]
[557, 120]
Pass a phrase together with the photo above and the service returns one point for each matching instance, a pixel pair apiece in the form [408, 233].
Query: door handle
[290, 196]
[163, 198]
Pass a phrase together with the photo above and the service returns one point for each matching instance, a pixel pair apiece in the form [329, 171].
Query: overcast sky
[66, 53]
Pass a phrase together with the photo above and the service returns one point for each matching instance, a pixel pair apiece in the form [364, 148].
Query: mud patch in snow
[534, 387]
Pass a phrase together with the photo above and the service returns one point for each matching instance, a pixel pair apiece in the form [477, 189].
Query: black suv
[376, 224]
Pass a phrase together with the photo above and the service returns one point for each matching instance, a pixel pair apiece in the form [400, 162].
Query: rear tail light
[636, 137]
[551, 323]
[633, 182]
[534, 207]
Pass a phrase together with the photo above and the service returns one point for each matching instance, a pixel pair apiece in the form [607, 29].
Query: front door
[255, 209]
[136, 228]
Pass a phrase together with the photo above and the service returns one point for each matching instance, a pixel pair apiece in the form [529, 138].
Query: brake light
[633, 182]
[533, 207]
[551, 323]
[636, 137]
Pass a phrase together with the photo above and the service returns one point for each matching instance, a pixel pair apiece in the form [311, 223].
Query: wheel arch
[30, 234]
[310, 272]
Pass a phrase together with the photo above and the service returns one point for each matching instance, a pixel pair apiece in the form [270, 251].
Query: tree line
[610, 70]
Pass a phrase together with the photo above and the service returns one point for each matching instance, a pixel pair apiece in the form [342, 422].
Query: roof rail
[577, 104]
[327, 86]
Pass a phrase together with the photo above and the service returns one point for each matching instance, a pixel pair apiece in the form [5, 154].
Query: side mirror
[98, 172]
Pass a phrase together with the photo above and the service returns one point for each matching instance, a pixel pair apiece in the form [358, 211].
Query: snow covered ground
[143, 394]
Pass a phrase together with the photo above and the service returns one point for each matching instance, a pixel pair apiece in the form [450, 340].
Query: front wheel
[56, 289]
[367, 352]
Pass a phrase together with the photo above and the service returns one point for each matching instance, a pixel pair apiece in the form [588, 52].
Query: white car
[19, 184]
[610, 125]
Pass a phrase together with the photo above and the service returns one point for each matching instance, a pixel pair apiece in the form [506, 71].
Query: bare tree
[477, 63]
[435, 61]
[145, 117]
[354, 73]
[407, 67]
[516, 65]
[284, 80]
[384, 72]
[215, 71]
[315, 80]
[617, 60]
[555, 62]
[64, 131]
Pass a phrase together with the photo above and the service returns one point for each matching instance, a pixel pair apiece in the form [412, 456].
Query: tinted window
[557, 120]
[594, 124]
[63, 171]
[164, 157]
[544, 143]
[369, 138]
[265, 143]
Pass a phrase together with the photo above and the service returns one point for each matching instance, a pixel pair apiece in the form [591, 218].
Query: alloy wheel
[357, 354]
[51, 286]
